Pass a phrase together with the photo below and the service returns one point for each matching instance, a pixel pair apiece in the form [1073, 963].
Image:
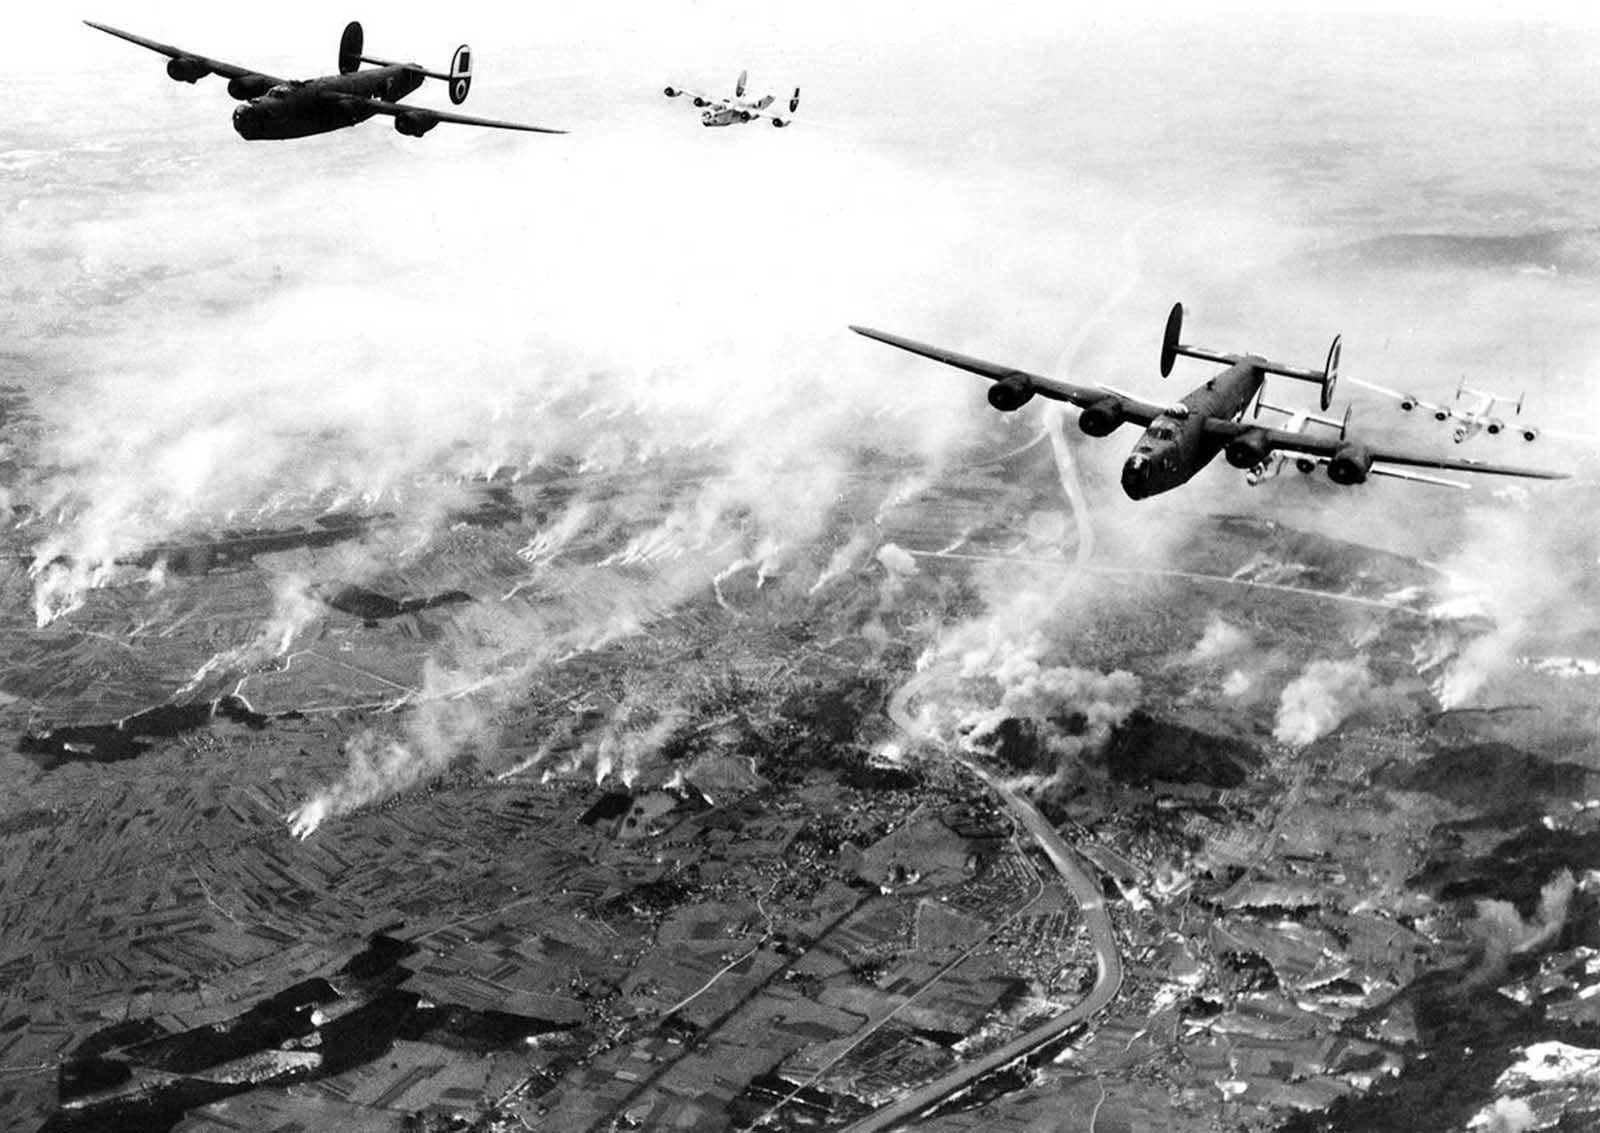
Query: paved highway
[1085, 888]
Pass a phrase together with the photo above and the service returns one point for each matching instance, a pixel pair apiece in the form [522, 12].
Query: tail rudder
[460, 74]
[1172, 345]
[350, 45]
[794, 102]
[738, 87]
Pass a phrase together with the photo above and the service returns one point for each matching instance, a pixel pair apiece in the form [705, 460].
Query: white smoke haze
[445, 717]
[223, 334]
[1010, 648]
[1029, 690]
[554, 537]
[293, 609]
[903, 492]
[1533, 578]
[1471, 670]
[1319, 699]
[1551, 1075]
[1220, 639]
[844, 558]
[897, 561]
[321, 385]
[1504, 932]
[1506, 1115]
[631, 736]
[61, 588]
[495, 652]
[1237, 683]
[1501, 932]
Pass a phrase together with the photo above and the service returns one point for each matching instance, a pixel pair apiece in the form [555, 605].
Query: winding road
[1076, 875]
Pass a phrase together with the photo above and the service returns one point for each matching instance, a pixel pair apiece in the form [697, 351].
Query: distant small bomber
[728, 111]
[1297, 421]
[1474, 411]
[1184, 436]
[275, 109]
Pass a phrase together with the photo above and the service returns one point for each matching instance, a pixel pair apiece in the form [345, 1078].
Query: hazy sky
[215, 325]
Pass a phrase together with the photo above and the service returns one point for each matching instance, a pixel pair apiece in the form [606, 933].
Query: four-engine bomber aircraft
[727, 111]
[275, 108]
[1182, 438]
[1474, 416]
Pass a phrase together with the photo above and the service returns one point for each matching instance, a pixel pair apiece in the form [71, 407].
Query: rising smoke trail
[1055, 415]
[1067, 469]
[1319, 699]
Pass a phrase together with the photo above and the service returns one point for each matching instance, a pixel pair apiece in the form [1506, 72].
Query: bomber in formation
[276, 109]
[1179, 438]
[1182, 437]
[1474, 412]
[738, 109]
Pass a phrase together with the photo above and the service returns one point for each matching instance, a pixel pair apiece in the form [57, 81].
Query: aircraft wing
[1396, 395]
[1325, 448]
[711, 99]
[397, 109]
[1419, 477]
[215, 66]
[1562, 434]
[1133, 409]
[789, 118]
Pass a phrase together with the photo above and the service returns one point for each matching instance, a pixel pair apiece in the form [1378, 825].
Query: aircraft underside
[256, 123]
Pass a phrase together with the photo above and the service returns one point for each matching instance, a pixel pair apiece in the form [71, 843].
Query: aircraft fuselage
[1176, 445]
[723, 116]
[734, 112]
[301, 109]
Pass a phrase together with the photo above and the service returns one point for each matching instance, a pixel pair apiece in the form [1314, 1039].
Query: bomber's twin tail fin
[351, 55]
[350, 45]
[460, 74]
[1171, 347]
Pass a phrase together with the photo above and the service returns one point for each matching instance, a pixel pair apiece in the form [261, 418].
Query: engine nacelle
[1350, 464]
[672, 92]
[1407, 402]
[415, 123]
[1102, 418]
[1248, 449]
[1529, 433]
[700, 102]
[780, 123]
[1441, 414]
[187, 69]
[1493, 426]
[246, 87]
[1011, 394]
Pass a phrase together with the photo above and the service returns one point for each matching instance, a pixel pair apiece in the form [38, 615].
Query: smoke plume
[293, 608]
[441, 721]
[1502, 932]
[1508, 1115]
[1315, 702]
[1095, 702]
[1221, 639]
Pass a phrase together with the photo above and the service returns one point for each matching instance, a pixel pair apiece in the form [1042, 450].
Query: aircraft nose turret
[246, 121]
[1136, 476]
